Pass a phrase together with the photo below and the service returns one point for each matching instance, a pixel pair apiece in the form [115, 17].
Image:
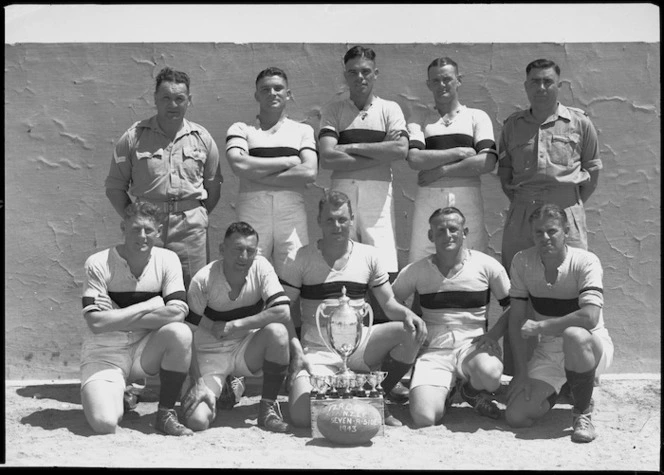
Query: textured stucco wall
[65, 104]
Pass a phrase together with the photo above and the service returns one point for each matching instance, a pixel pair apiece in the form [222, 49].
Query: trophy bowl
[343, 326]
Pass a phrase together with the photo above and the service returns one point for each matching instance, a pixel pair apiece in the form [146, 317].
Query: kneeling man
[454, 286]
[318, 272]
[564, 285]
[241, 321]
[134, 303]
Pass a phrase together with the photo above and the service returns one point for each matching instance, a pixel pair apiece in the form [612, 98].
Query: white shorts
[114, 357]
[548, 361]
[279, 218]
[442, 365]
[468, 199]
[373, 212]
[324, 362]
[220, 358]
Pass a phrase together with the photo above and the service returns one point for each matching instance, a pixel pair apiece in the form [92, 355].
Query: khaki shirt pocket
[150, 163]
[563, 149]
[193, 163]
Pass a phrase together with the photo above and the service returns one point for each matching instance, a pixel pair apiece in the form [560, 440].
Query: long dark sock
[581, 385]
[171, 384]
[395, 371]
[274, 375]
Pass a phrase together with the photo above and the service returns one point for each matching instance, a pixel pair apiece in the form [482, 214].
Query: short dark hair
[143, 209]
[542, 64]
[549, 210]
[360, 52]
[170, 75]
[443, 61]
[271, 71]
[242, 228]
[446, 211]
[335, 199]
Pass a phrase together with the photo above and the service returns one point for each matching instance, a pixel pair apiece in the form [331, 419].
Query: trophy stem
[345, 371]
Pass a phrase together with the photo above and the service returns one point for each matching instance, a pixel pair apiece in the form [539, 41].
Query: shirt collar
[274, 128]
[374, 100]
[561, 112]
[154, 126]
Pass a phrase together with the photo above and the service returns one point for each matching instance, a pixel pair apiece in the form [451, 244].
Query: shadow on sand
[69, 393]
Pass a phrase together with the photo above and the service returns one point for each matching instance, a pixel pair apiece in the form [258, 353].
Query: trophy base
[317, 406]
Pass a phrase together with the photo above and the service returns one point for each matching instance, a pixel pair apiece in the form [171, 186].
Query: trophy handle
[319, 314]
[368, 311]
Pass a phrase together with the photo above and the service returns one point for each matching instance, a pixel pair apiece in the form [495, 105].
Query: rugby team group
[157, 305]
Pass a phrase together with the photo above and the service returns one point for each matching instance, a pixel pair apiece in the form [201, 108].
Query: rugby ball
[349, 422]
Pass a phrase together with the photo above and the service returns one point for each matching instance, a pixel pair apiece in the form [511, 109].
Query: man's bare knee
[197, 424]
[422, 420]
[103, 425]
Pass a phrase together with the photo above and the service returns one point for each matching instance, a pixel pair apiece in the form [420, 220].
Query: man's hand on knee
[197, 393]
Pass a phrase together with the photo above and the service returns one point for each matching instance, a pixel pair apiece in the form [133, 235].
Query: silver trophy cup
[344, 327]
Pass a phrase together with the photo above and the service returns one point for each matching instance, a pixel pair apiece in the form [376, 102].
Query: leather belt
[175, 206]
[563, 196]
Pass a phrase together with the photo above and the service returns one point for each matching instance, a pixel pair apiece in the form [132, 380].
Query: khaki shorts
[442, 365]
[548, 361]
[114, 357]
[220, 358]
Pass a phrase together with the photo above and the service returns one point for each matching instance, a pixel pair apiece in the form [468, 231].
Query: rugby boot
[481, 401]
[231, 393]
[399, 393]
[270, 418]
[583, 428]
[168, 423]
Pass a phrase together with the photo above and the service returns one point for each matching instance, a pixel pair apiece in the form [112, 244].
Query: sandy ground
[45, 426]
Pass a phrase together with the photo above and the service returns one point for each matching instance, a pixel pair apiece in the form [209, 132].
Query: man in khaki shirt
[549, 153]
[174, 164]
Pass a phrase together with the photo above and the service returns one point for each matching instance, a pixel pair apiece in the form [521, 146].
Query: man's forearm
[119, 319]
[586, 317]
[338, 160]
[430, 159]
[172, 312]
[252, 167]
[500, 328]
[119, 200]
[518, 344]
[213, 188]
[587, 189]
[394, 310]
[297, 176]
[505, 184]
[277, 314]
[384, 152]
[471, 166]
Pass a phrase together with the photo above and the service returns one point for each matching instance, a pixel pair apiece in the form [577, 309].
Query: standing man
[549, 153]
[240, 317]
[450, 147]
[318, 272]
[134, 303]
[564, 285]
[174, 164]
[359, 139]
[275, 159]
[454, 286]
